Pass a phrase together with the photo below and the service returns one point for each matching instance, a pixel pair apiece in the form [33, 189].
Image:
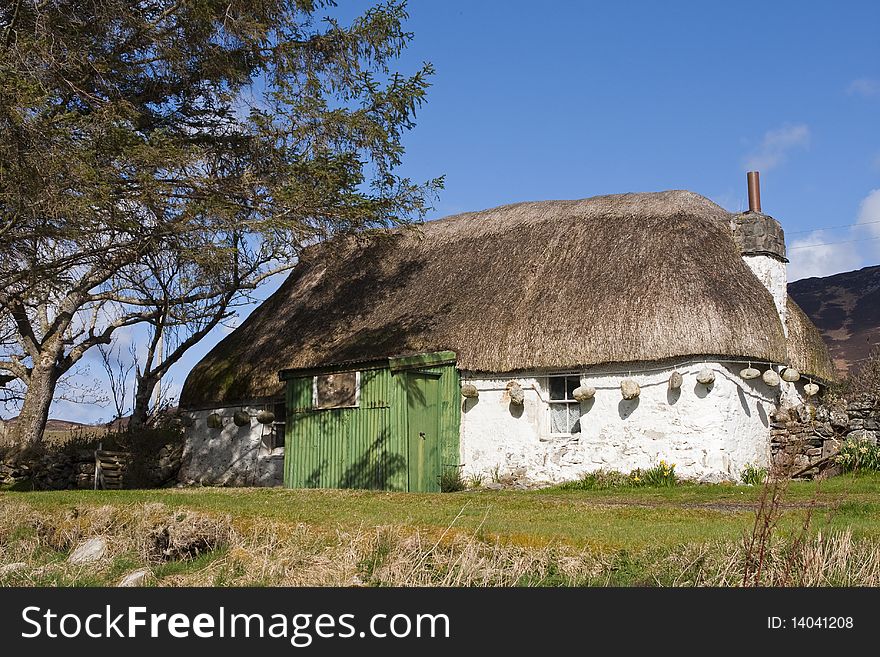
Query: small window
[279, 425]
[565, 410]
[273, 435]
[339, 390]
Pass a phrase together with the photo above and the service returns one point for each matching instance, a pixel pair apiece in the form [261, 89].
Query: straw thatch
[807, 351]
[539, 285]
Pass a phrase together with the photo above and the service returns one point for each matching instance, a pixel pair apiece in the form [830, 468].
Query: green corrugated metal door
[423, 430]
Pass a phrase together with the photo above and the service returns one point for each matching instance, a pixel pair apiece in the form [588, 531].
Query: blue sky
[539, 101]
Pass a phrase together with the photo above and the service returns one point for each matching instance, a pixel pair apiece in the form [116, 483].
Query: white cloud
[864, 87]
[776, 145]
[821, 258]
[869, 213]
[868, 224]
[822, 253]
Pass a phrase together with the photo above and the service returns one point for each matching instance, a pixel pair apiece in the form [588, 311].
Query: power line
[813, 246]
[815, 230]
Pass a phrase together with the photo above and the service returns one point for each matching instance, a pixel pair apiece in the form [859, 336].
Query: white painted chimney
[761, 241]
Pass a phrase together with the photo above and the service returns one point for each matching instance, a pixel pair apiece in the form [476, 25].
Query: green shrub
[661, 475]
[858, 455]
[752, 475]
[598, 480]
[451, 481]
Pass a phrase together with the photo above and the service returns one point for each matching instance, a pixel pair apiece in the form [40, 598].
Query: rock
[706, 376]
[749, 373]
[517, 395]
[825, 429]
[629, 389]
[862, 435]
[771, 378]
[839, 420]
[88, 551]
[493, 485]
[469, 390]
[10, 568]
[781, 415]
[675, 381]
[804, 413]
[584, 393]
[135, 578]
[790, 375]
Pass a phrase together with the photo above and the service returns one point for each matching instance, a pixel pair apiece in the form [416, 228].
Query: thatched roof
[807, 350]
[539, 285]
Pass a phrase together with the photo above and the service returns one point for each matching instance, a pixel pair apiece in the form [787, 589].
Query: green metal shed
[397, 431]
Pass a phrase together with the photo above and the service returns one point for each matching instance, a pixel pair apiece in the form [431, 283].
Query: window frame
[270, 444]
[357, 391]
[567, 401]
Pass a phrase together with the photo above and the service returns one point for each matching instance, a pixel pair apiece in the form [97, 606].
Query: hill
[846, 309]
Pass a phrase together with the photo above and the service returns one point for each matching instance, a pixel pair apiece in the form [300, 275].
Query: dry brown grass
[186, 548]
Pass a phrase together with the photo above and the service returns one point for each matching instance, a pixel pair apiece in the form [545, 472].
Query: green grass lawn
[607, 520]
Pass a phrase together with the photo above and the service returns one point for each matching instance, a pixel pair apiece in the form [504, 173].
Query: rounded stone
[265, 417]
[88, 551]
[790, 374]
[771, 378]
[241, 418]
[706, 376]
[675, 380]
[584, 393]
[469, 391]
[749, 373]
[629, 389]
[134, 578]
[214, 421]
[811, 389]
[517, 395]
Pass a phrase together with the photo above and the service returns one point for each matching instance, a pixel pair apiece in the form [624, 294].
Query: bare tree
[129, 143]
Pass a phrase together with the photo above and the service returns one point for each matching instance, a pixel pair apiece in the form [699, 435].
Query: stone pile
[805, 438]
[64, 469]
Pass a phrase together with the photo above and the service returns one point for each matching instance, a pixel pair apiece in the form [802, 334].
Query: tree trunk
[140, 413]
[28, 429]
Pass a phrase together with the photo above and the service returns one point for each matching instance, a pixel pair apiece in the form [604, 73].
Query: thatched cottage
[540, 340]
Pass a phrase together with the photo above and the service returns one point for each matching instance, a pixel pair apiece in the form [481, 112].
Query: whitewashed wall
[773, 273]
[709, 433]
[231, 455]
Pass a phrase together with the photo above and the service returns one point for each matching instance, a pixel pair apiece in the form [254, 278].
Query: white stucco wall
[773, 273]
[709, 433]
[231, 455]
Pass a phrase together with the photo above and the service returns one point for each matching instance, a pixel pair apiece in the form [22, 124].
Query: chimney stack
[761, 243]
[754, 181]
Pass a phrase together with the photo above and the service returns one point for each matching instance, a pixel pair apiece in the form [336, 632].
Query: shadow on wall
[376, 469]
[468, 403]
[213, 458]
[625, 407]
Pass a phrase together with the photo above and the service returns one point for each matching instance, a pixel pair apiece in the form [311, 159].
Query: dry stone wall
[805, 438]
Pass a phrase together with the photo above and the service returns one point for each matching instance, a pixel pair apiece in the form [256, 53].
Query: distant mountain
[53, 424]
[846, 309]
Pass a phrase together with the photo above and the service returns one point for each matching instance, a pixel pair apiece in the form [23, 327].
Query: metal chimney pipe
[754, 181]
